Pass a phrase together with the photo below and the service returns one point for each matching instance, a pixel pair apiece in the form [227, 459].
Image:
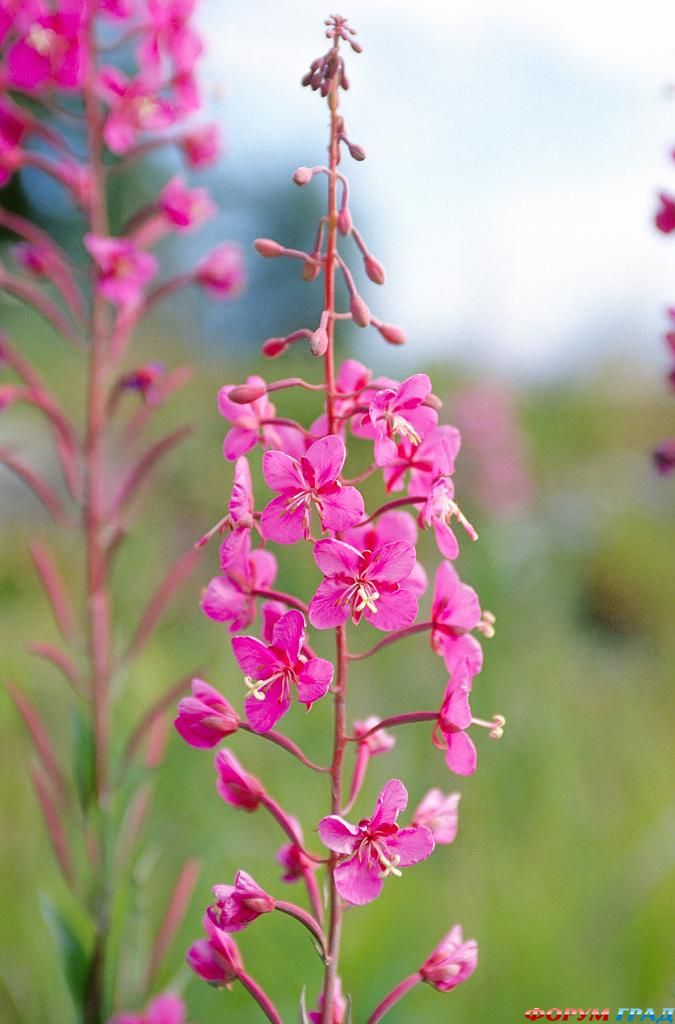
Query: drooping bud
[359, 310]
[310, 268]
[246, 393]
[274, 347]
[451, 963]
[268, 248]
[303, 175]
[374, 269]
[318, 343]
[356, 152]
[344, 221]
[392, 333]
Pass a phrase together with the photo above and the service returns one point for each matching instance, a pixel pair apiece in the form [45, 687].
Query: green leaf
[71, 948]
[304, 1019]
[84, 758]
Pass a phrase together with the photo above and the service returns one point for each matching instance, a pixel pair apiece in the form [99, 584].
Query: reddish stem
[278, 595]
[285, 744]
[260, 996]
[396, 993]
[388, 723]
[305, 919]
[391, 638]
[396, 503]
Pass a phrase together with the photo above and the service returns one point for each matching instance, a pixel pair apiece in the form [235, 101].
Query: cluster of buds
[368, 575]
[89, 87]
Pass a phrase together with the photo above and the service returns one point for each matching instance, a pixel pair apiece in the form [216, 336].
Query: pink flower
[231, 597]
[216, 958]
[146, 380]
[376, 847]
[665, 216]
[248, 426]
[164, 1009]
[339, 1007]
[391, 526]
[185, 207]
[50, 51]
[313, 480]
[455, 607]
[433, 457]
[123, 269]
[240, 519]
[294, 861]
[236, 786]
[117, 8]
[201, 146]
[272, 671]
[439, 510]
[451, 963]
[454, 719]
[222, 273]
[169, 35]
[236, 906]
[134, 106]
[205, 718]
[380, 742]
[364, 584]
[399, 411]
[664, 457]
[34, 259]
[439, 813]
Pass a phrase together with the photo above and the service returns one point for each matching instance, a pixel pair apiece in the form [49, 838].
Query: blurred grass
[564, 867]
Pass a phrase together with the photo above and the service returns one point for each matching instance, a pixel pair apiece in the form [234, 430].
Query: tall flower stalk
[70, 112]
[369, 574]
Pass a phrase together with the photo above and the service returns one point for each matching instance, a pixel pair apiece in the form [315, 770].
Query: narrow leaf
[71, 948]
[139, 473]
[84, 757]
[55, 588]
[37, 485]
[157, 604]
[41, 740]
[54, 823]
[179, 902]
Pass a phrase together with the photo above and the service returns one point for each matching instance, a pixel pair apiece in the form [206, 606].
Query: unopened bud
[310, 270]
[359, 310]
[356, 152]
[268, 247]
[303, 175]
[344, 221]
[246, 393]
[318, 343]
[273, 347]
[374, 269]
[393, 334]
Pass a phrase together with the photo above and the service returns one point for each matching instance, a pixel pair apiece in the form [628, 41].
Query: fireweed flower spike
[89, 87]
[370, 576]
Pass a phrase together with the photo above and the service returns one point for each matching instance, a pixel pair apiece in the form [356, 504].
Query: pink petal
[337, 834]
[280, 523]
[314, 680]
[456, 711]
[395, 610]
[263, 714]
[255, 659]
[328, 608]
[166, 1009]
[264, 566]
[392, 800]
[358, 881]
[341, 509]
[412, 391]
[460, 650]
[385, 449]
[204, 961]
[412, 845]
[238, 441]
[281, 472]
[457, 601]
[445, 538]
[241, 500]
[335, 558]
[392, 562]
[461, 756]
[221, 600]
[288, 633]
[327, 457]
[232, 547]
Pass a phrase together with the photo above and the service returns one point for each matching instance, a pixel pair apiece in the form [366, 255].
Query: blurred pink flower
[665, 215]
[51, 49]
[367, 584]
[272, 671]
[451, 963]
[134, 106]
[236, 786]
[164, 1009]
[380, 742]
[339, 1007]
[205, 718]
[124, 270]
[439, 813]
[376, 847]
[313, 480]
[222, 272]
[201, 146]
[185, 207]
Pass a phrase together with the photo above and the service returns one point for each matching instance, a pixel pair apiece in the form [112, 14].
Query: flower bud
[451, 963]
[359, 310]
[356, 152]
[216, 958]
[205, 718]
[344, 221]
[393, 334]
[374, 269]
[273, 347]
[303, 175]
[377, 742]
[318, 343]
[246, 393]
[236, 906]
[311, 270]
[268, 248]
[235, 785]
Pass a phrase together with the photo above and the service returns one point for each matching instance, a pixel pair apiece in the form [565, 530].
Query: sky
[514, 155]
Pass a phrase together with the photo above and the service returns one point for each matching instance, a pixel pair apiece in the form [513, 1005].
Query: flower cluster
[89, 87]
[366, 574]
